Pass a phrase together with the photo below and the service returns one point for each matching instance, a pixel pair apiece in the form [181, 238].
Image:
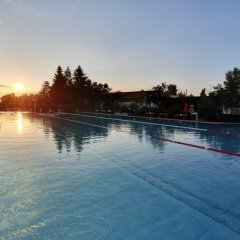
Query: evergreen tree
[44, 94]
[58, 88]
[45, 90]
[80, 79]
[203, 93]
[68, 76]
[72, 90]
[82, 87]
[69, 86]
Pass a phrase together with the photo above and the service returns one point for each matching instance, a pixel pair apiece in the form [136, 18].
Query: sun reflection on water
[20, 122]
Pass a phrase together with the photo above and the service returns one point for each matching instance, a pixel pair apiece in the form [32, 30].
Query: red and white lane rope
[159, 124]
[197, 146]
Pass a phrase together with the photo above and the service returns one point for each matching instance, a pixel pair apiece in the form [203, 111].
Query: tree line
[71, 90]
[223, 96]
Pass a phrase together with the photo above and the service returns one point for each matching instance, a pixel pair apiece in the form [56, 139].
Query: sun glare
[19, 86]
[20, 122]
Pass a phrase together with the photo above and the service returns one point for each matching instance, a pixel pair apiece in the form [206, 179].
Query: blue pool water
[85, 177]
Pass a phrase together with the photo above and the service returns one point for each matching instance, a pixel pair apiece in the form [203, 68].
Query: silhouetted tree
[72, 90]
[9, 101]
[80, 79]
[208, 109]
[232, 88]
[13, 102]
[100, 92]
[172, 89]
[228, 95]
[104, 89]
[58, 88]
[44, 95]
[68, 76]
[218, 94]
[81, 87]
[45, 90]
[158, 93]
[203, 93]
[69, 86]
[25, 101]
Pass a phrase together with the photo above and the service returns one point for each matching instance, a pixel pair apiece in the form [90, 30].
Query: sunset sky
[130, 44]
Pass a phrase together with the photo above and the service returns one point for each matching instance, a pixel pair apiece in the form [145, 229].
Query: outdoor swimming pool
[88, 177]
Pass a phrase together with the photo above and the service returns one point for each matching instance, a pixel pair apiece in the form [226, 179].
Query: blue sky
[130, 44]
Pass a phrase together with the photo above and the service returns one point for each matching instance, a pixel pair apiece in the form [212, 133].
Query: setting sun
[19, 86]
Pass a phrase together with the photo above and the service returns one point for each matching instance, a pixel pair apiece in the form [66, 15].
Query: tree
[44, 94]
[69, 85]
[105, 89]
[218, 94]
[203, 93]
[72, 90]
[45, 90]
[100, 91]
[81, 88]
[58, 88]
[68, 76]
[9, 101]
[26, 101]
[208, 109]
[232, 88]
[172, 89]
[80, 79]
[159, 92]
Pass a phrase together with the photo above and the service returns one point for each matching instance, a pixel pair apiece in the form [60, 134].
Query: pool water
[88, 177]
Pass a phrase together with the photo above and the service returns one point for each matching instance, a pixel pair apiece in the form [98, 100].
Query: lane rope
[70, 120]
[223, 132]
[134, 121]
[159, 124]
[153, 137]
[197, 146]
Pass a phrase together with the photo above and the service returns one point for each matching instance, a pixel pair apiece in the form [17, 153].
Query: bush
[208, 109]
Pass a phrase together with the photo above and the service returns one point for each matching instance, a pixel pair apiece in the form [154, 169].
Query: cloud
[5, 86]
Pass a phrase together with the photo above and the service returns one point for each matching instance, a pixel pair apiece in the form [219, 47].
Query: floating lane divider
[55, 115]
[70, 120]
[153, 137]
[223, 132]
[139, 122]
[161, 124]
[147, 123]
[197, 146]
